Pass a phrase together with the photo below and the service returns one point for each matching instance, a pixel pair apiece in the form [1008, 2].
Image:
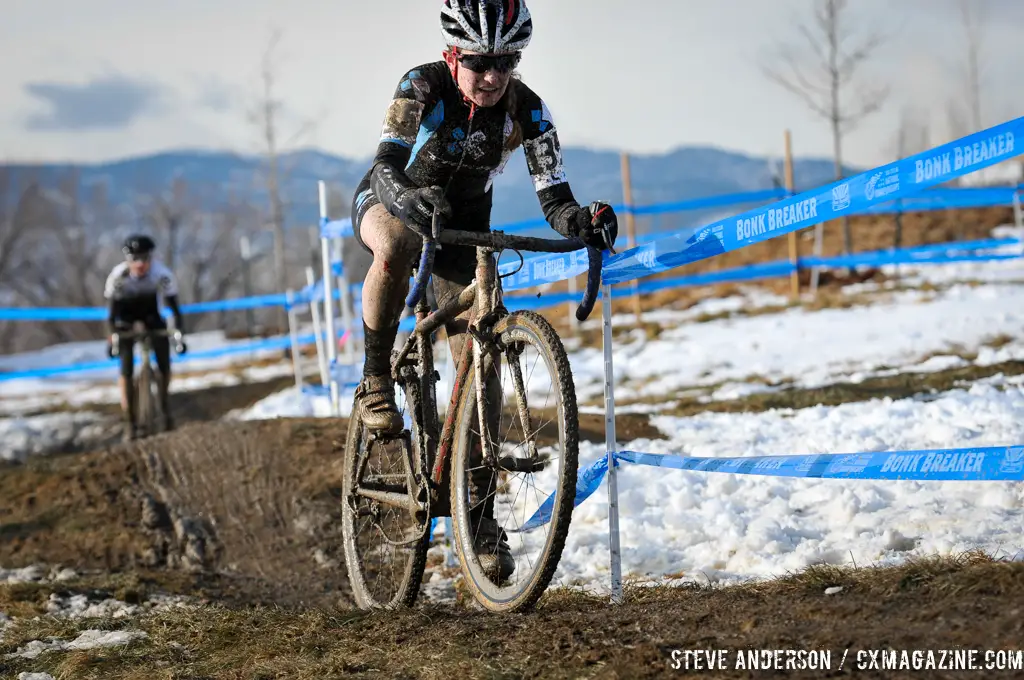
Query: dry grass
[929, 602]
[899, 386]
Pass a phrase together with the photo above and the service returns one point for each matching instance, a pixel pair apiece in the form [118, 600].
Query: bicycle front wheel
[156, 411]
[144, 397]
[385, 539]
[511, 515]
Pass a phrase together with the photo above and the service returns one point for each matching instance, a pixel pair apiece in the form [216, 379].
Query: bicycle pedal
[387, 438]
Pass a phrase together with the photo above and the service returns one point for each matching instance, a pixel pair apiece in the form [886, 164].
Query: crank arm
[392, 498]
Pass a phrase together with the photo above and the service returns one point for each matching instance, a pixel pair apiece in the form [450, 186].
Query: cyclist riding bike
[133, 291]
[448, 132]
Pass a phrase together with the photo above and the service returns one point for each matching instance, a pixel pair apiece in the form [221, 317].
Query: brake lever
[608, 240]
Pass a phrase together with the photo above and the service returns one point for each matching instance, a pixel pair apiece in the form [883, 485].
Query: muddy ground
[250, 509]
[244, 516]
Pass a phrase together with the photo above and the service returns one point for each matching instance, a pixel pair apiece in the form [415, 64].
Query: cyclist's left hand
[598, 225]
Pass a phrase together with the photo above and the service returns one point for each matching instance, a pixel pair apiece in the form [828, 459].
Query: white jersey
[158, 281]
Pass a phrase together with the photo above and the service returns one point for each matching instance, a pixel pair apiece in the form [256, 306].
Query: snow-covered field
[900, 330]
[727, 527]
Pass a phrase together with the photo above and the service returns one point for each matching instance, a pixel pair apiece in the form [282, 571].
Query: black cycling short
[161, 348]
[455, 264]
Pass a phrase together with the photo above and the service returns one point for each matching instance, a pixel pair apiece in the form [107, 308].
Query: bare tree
[912, 136]
[19, 214]
[14, 220]
[67, 263]
[267, 115]
[964, 113]
[972, 13]
[822, 74]
[167, 214]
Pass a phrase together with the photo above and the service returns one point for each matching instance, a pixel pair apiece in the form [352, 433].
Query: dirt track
[249, 508]
[244, 514]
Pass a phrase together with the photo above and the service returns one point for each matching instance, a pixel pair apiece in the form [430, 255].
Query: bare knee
[388, 238]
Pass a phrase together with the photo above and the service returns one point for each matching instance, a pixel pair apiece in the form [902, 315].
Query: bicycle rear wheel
[385, 540]
[535, 437]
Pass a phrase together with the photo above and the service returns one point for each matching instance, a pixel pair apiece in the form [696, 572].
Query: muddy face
[483, 89]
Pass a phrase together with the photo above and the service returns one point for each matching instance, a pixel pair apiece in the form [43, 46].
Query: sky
[108, 79]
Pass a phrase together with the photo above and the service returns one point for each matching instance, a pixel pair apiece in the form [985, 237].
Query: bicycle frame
[485, 294]
[480, 293]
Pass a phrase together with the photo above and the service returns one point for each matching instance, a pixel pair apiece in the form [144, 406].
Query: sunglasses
[139, 258]
[482, 63]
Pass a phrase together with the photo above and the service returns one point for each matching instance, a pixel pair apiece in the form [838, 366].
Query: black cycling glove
[415, 207]
[412, 204]
[597, 225]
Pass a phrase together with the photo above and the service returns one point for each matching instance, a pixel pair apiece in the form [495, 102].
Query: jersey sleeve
[404, 114]
[112, 287]
[166, 282]
[544, 161]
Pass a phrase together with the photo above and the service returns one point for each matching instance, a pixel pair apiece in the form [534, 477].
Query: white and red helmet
[486, 26]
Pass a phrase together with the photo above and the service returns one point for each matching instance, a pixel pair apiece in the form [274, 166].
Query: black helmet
[138, 244]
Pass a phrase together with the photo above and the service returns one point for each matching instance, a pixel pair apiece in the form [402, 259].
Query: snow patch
[89, 639]
[21, 437]
[728, 528]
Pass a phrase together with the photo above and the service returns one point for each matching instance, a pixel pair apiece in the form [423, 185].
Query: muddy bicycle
[145, 384]
[512, 368]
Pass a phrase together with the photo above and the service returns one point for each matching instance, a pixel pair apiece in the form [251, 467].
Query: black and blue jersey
[433, 136]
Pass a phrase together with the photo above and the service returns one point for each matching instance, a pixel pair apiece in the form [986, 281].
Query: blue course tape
[903, 178]
[939, 253]
[588, 480]
[873, 260]
[762, 270]
[53, 314]
[336, 229]
[259, 346]
[988, 464]
[709, 202]
[947, 198]
[276, 300]
[663, 208]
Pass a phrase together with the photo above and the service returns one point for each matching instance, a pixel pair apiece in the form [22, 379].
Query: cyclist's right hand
[415, 207]
[111, 339]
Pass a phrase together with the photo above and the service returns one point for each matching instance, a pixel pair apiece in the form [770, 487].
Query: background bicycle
[151, 405]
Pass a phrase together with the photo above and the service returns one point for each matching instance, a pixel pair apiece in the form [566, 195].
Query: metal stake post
[332, 343]
[610, 445]
[1018, 213]
[293, 335]
[314, 310]
[347, 318]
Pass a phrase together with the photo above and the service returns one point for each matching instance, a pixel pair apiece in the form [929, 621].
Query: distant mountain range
[680, 174]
